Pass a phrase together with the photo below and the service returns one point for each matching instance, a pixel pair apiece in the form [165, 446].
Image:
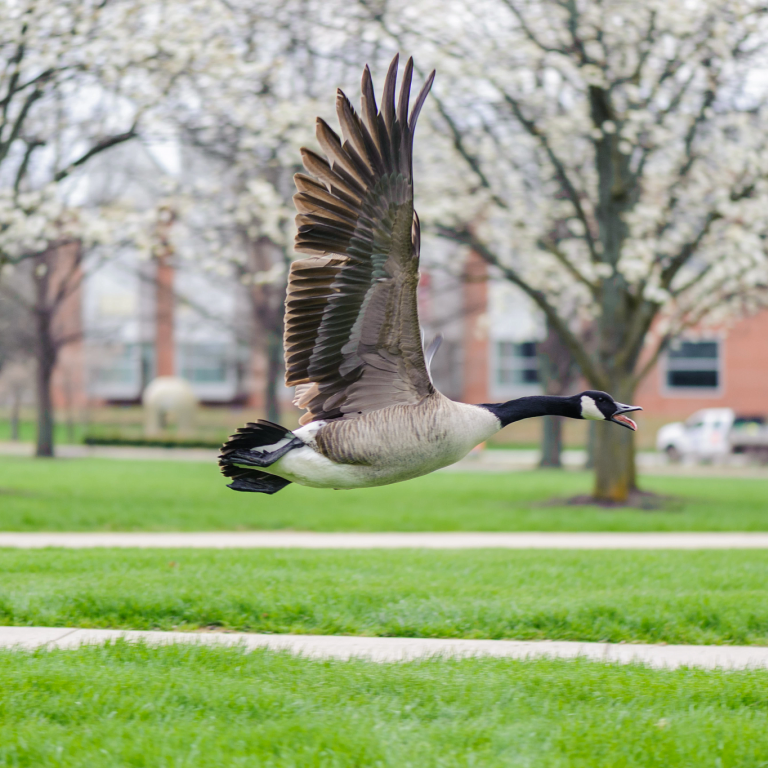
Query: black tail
[252, 480]
[256, 445]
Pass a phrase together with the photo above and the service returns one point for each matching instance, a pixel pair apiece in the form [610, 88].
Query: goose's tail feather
[253, 480]
[257, 444]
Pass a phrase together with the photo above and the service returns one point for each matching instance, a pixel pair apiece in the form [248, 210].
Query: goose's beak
[620, 417]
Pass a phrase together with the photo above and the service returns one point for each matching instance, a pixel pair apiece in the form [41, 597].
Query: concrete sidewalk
[452, 540]
[383, 649]
[125, 452]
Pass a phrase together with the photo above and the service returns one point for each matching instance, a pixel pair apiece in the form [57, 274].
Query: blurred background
[591, 183]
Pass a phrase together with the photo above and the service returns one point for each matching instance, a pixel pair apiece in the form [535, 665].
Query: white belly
[306, 466]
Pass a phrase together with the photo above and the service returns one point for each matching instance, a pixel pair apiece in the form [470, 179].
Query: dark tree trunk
[615, 476]
[15, 411]
[551, 442]
[274, 344]
[54, 322]
[45, 419]
[557, 372]
[46, 362]
[268, 307]
[590, 462]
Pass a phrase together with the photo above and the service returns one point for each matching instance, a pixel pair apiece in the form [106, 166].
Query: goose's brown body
[386, 446]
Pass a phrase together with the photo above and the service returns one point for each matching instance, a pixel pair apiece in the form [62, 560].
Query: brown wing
[352, 336]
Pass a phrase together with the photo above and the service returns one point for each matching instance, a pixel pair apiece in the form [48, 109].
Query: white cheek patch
[589, 409]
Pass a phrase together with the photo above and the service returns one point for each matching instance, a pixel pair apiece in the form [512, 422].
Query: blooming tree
[241, 124]
[611, 157]
[77, 78]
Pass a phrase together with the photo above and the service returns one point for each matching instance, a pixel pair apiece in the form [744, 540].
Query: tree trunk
[274, 344]
[551, 442]
[590, 461]
[15, 412]
[45, 364]
[557, 372]
[46, 357]
[268, 307]
[615, 476]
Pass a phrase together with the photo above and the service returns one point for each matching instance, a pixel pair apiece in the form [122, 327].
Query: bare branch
[461, 148]
[552, 248]
[589, 368]
[559, 166]
[529, 33]
[687, 250]
[22, 171]
[648, 366]
[19, 122]
[648, 39]
[100, 146]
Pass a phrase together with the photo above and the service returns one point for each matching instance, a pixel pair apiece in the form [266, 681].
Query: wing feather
[352, 337]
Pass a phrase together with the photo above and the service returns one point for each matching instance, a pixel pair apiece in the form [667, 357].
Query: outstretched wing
[352, 336]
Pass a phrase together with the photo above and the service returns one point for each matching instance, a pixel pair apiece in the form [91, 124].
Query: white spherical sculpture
[166, 399]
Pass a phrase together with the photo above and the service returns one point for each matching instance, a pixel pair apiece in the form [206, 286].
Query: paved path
[205, 455]
[405, 649]
[458, 540]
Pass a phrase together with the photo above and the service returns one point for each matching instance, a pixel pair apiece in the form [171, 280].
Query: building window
[116, 365]
[204, 363]
[517, 363]
[694, 365]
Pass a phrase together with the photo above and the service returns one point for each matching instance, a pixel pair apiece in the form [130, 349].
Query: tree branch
[22, 171]
[471, 160]
[687, 250]
[529, 33]
[563, 259]
[654, 359]
[18, 124]
[100, 146]
[588, 367]
[559, 166]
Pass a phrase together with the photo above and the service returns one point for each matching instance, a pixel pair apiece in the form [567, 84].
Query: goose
[352, 341]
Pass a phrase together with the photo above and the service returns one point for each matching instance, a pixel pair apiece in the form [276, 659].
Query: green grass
[105, 494]
[188, 706]
[63, 433]
[710, 597]
[77, 432]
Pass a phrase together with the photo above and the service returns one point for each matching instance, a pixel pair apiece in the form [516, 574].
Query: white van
[714, 433]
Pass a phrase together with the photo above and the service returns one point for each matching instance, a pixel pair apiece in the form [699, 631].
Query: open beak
[620, 416]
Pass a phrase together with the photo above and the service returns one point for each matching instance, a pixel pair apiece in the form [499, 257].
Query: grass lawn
[106, 494]
[189, 706]
[675, 597]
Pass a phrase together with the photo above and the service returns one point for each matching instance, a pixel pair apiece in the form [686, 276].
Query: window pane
[694, 349]
[692, 379]
[116, 366]
[517, 363]
[204, 363]
[506, 377]
[693, 365]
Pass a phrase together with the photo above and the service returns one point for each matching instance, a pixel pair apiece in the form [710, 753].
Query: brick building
[726, 368]
[491, 330]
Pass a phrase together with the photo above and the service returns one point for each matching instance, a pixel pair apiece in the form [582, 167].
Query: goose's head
[600, 406]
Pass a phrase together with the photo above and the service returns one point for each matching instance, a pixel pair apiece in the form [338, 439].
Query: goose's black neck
[539, 405]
